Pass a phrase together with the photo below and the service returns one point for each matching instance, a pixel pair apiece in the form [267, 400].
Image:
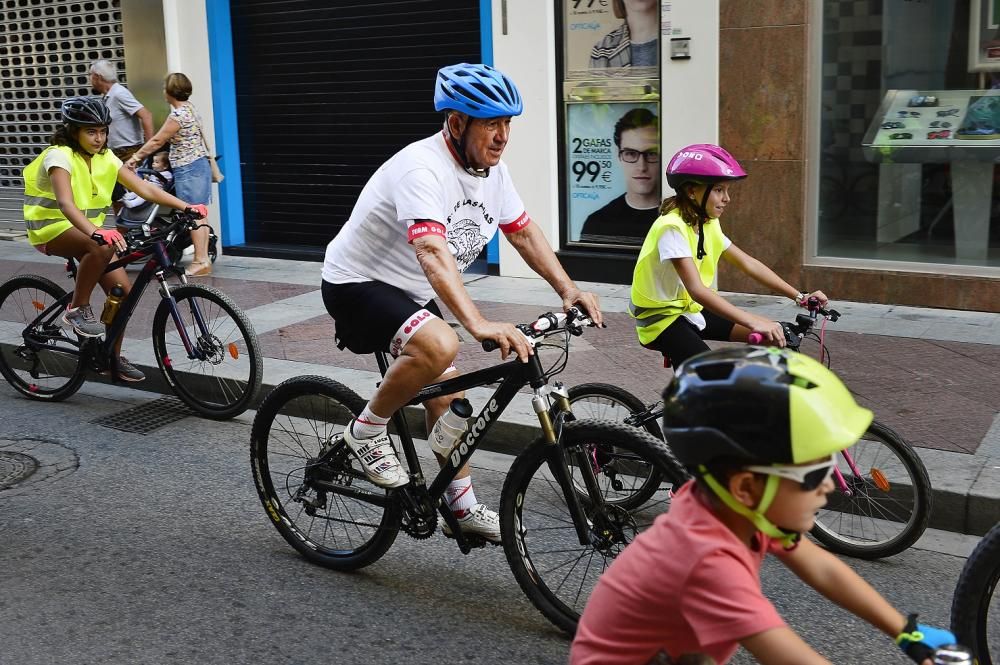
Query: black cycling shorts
[368, 315]
[682, 339]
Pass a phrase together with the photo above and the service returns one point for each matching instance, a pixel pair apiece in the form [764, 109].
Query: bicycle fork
[194, 351]
[551, 418]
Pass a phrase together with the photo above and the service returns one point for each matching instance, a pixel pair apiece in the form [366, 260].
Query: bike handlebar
[179, 220]
[547, 324]
[793, 331]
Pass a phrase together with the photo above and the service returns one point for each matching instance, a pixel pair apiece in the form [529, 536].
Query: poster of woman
[611, 37]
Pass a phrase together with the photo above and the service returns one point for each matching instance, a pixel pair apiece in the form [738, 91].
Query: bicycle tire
[617, 404]
[970, 606]
[841, 525]
[56, 375]
[604, 401]
[537, 529]
[293, 424]
[226, 382]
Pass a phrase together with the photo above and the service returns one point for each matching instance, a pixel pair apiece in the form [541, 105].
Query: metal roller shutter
[325, 94]
[46, 49]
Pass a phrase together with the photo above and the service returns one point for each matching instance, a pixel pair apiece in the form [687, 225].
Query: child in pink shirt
[759, 428]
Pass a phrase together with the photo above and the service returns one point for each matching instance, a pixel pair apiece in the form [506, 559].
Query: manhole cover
[27, 463]
[15, 467]
[147, 417]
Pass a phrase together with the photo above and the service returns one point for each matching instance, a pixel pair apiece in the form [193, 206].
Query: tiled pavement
[929, 374]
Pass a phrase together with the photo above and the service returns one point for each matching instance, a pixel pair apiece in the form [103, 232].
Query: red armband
[425, 227]
[517, 224]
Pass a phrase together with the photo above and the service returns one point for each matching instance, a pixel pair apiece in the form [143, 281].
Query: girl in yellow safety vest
[673, 296]
[67, 190]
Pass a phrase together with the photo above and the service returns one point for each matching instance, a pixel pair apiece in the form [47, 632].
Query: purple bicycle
[882, 501]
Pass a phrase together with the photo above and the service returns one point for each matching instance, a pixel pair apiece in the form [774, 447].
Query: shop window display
[910, 132]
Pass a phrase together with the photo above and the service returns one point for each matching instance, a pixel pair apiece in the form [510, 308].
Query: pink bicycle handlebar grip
[755, 338]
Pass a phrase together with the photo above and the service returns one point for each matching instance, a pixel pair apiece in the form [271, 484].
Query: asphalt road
[154, 549]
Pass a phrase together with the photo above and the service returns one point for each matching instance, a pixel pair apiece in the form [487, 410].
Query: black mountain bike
[557, 540]
[882, 501]
[974, 608]
[204, 344]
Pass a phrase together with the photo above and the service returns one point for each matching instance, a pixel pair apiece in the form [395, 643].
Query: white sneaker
[479, 520]
[378, 459]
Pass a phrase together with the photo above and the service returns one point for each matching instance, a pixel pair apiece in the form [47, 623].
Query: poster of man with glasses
[614, 172]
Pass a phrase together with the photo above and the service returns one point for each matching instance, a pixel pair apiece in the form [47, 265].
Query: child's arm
[835, 580]
[759, 272]
[781, 646]
[688, 273]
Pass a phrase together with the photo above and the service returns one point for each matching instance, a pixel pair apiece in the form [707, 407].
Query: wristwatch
[801, 298]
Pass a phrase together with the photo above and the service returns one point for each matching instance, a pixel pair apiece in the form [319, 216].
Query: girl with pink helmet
[673, 297]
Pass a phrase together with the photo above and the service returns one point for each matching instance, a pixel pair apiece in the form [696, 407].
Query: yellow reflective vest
[652, 313]
[92, 187]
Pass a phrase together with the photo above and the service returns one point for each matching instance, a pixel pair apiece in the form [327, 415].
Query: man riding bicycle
[419, 222]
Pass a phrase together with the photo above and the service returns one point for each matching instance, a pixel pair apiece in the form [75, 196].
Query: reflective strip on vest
[637, 312]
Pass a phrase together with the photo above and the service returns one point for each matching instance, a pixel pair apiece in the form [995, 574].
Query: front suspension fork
[551, 419]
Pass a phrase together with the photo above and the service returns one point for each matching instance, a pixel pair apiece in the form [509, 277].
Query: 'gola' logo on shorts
[415, 321]
[407, 330]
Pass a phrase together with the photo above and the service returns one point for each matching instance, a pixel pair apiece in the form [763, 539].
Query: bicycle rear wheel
[543, 549]
[974, 607]
[604, 401]
[225, 376]
[312, 488]
[887, 503]
[43, 362]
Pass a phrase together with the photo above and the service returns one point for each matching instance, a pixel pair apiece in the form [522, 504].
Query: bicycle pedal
[473, 540]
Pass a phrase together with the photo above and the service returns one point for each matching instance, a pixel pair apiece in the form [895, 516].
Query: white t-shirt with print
[672, 244]
[423, 181]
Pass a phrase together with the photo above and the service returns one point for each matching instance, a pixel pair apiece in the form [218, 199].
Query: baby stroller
[148, 217]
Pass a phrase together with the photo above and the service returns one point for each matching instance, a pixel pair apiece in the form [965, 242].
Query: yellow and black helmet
[761, 406]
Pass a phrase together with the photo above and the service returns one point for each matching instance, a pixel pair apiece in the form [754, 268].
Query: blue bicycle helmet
[476, 90]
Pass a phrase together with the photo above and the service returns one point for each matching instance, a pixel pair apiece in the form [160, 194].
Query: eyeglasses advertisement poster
[614, 168]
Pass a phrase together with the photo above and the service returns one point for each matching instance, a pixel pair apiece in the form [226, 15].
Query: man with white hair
[131, 122]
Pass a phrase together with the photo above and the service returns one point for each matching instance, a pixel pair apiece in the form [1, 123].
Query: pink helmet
[703, 163]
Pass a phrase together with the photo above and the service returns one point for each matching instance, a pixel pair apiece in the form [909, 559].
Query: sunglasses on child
[809, 477]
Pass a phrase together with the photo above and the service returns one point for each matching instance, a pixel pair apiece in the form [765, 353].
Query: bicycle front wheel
[885, 502]
[974, 604]
[540, 540]
[221, 376]
[604, 401]
[312, 488]
[39, 359]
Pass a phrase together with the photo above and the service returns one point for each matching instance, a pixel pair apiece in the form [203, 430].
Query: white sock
[368, 425]
[460, 496]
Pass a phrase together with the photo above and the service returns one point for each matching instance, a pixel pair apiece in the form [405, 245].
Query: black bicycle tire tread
[520, 473]
[617, 393]
[79, 376]
[249, 336]
[976, 584]
[923, 497]
[286, 390]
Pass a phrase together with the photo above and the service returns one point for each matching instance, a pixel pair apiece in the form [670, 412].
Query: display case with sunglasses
[963, 130]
